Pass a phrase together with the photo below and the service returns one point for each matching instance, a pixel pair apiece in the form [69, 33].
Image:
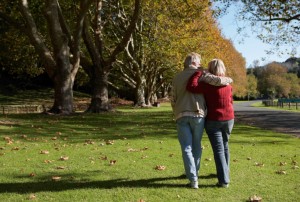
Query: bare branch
[36, 39]
[127, 34]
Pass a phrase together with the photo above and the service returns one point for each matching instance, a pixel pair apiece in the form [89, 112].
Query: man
[189, 111]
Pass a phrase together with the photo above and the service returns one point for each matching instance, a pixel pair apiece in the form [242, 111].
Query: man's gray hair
[192, 58]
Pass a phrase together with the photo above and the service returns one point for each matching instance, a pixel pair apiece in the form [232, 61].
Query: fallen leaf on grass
[56, 178]
[64, 158]
[131, 150]
[103, 158]
[112, 162]
[281, 172]
[282, 163]
[249, 158]
[110, 142]
[255, 198]
[295, 167]
[32, 197]
[48, 161]
[89, 142]
[8, 140]
[259, 164]
[60, 167]
[31, 174]
[208, 159]
[44, 152]
[143, 157]
[160, 167]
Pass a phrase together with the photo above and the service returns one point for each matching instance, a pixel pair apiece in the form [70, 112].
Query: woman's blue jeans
[190, 131]
[218, 133]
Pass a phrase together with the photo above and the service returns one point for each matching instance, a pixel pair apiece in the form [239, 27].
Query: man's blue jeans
[218, 133]
[190, 131]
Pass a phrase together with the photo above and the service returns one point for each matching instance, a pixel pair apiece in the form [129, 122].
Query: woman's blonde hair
[217, 67]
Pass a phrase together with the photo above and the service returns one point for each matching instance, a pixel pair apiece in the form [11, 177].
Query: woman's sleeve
[193, 85]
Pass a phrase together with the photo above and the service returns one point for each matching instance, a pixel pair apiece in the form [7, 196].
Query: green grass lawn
[113, 156]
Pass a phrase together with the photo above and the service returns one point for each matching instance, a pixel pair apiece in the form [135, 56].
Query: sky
[250, 47]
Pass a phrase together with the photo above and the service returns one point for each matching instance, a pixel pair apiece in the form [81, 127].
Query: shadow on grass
[80, 126]
[45, 186]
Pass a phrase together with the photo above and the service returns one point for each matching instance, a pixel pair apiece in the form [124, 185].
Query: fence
[283, 102]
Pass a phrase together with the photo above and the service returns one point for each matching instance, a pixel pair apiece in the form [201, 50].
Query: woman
[220, 117]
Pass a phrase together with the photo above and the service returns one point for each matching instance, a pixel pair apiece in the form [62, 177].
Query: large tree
[105, 39]
[58, 47]
[166, 32]
[159, 35]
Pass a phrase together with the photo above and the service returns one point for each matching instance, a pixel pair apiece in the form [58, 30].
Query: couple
[203, 100]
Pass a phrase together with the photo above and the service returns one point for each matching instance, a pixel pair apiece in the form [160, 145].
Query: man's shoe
[222, 185]
[194, 185]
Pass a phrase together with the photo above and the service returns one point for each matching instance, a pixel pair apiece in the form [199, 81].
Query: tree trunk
[140, 97]
[63, 94]
[100, 101]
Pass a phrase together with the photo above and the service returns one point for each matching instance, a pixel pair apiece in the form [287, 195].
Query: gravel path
[275, 120]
